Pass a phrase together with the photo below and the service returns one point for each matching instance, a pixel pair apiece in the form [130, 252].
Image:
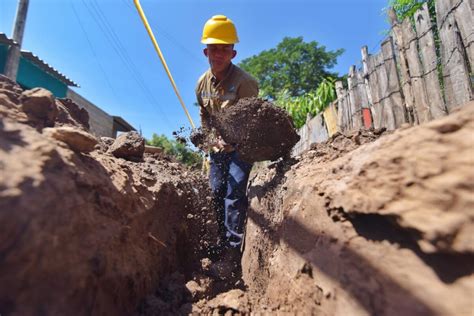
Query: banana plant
[312, 103]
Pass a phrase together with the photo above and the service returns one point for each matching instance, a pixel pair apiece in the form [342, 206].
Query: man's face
[219, 56]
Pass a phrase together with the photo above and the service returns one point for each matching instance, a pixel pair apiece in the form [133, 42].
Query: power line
[94, 53]
[170, 38]
[127, 59]
[119, 49]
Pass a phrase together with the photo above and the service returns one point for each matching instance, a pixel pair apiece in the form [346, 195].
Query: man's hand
[220, 143]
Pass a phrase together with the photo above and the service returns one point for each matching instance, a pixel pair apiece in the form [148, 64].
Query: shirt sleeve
[198, 94]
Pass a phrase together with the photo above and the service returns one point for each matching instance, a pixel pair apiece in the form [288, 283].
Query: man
[219, 87]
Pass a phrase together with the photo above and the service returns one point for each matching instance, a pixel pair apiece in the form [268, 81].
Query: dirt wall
[84, 232]
[385, 229]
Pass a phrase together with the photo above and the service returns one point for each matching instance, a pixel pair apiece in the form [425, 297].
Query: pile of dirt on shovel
[260, 130]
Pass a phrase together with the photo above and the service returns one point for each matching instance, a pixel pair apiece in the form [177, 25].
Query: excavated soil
[368, 223]
[260, 130]
[85, 232]
[382, 228]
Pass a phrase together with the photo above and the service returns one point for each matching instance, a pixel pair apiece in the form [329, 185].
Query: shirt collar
[214, 79]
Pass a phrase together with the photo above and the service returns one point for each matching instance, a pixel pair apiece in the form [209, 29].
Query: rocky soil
[370, 223]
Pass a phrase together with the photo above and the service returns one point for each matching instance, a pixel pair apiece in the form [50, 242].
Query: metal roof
[39, 62]
[5, 40]
[48, 68]
[123, 125]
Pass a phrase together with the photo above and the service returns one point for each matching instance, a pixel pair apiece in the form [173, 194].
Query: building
[34, 72]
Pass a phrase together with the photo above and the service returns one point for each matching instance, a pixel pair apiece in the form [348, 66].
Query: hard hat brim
[211, 40]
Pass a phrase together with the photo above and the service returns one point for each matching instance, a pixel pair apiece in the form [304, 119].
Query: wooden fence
[409, 80]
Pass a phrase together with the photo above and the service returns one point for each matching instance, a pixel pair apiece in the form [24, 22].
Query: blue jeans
[228, 179]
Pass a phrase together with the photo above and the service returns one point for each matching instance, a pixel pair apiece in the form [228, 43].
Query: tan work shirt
[213, 96]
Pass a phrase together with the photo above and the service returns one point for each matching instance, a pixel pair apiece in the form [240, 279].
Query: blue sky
[103, 46]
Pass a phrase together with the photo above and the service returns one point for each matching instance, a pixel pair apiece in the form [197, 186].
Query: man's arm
[203, 113]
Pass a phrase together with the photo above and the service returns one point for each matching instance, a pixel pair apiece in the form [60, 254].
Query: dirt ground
[370, 223]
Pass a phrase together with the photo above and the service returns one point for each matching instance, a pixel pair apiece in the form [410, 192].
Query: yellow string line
[158, 50]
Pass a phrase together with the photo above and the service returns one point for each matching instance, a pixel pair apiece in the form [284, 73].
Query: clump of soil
[179, 136]
[258, 129]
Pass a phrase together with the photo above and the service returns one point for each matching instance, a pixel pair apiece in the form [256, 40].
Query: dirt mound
[384, 229]
[340, 144]
[260, 130]
[83, 230]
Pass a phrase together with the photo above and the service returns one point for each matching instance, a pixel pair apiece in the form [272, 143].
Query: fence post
[343, 120]
[464, 15]
[416, 73]
[370, 75]
[429, 61]
[405, 79]
[355, 99]
[455, 71]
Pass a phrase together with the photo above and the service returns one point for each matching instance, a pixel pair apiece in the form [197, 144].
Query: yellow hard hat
[219, 30]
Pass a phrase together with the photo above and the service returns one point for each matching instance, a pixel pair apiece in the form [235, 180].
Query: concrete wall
[101, 123]
[314, 131]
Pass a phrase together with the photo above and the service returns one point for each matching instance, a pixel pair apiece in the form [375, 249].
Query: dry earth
[385, 229]
[365, 224]
[85, 232]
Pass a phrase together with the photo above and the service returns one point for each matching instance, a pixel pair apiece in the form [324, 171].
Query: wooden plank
[365, 72]
[341, 107]
[393, 97]
[351, 96]
[455, 73]
[330, 117]
[382, 86]
[429, 61]
[362, 89]
[355, 99]
[367, 118]
[416, 73]
[317, 132]
[364, 101]
[464, 16]
[368, 63]
[405, 78]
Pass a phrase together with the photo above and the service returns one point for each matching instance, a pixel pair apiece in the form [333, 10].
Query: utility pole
[13, 58]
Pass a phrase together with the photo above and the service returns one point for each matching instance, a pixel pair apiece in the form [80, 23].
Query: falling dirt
[367, 223]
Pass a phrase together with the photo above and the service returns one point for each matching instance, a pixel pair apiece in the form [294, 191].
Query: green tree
[407, 8]
[176, 149]
[294, 65]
